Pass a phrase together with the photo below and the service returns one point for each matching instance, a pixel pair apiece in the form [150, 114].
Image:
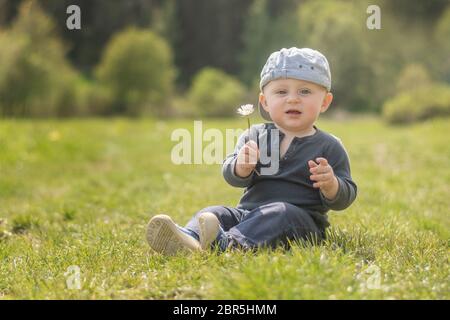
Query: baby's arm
[247, 158]
[337, 189]
[323, 175]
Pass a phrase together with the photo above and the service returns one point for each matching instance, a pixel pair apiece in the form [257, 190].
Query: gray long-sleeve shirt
[289, 178]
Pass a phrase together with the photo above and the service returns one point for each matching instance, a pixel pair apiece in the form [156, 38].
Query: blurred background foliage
[138, 71]
[203, 58]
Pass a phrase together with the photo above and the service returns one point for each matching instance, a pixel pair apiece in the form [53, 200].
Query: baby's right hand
[247, 158]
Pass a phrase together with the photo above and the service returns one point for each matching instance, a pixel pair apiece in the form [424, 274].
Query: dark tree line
[236, 36]
[201, 32]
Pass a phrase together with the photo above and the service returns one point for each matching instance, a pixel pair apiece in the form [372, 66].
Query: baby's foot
[165, 237]
[211, 233]
[209, 229]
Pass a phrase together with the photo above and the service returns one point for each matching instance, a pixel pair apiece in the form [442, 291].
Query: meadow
[77, 194]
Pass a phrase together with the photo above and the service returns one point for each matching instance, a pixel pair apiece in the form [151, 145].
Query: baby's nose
[293, 98]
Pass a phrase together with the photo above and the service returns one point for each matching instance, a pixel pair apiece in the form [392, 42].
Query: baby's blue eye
[304, 92]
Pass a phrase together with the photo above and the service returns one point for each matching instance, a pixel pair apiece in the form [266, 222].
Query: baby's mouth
[293, 111]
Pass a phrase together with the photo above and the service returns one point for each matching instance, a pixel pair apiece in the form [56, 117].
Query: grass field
[80, 192]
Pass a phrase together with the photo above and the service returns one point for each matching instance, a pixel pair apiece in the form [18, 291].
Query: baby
[312, 172]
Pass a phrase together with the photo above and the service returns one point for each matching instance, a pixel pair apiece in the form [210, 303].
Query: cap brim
[263, 112]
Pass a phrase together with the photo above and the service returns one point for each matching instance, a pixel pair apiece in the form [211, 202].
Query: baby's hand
[247, 158]
[324, 176]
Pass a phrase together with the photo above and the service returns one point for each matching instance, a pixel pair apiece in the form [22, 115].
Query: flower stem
[248, 123]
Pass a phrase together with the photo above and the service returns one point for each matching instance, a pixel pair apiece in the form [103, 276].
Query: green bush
[97, 100]
[425, 102]
[35, 78]
[413, 76]
[137, 69]
[214, 93]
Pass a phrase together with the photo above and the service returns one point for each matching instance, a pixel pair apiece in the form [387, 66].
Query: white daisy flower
[246, 110]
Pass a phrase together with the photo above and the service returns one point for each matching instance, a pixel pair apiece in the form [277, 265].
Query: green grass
[80, 192]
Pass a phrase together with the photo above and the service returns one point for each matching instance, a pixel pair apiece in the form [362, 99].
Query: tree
[338, 32]
[442, 36]
[269, 26]
[35, 78]
[137, 69]
[100, 20]
[208, 34]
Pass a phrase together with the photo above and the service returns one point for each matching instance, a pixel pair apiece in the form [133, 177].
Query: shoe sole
[209, 228]
[164, 237]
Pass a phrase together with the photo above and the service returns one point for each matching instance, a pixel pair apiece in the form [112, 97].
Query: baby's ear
[262, 99]
[326, 101]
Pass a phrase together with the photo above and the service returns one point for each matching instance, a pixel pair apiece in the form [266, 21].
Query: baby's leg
[228, 217]
[275, 224]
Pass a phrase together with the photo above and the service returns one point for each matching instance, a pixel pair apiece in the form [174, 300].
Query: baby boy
[312, 176]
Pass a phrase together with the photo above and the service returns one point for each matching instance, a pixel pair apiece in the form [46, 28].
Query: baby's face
[294, 105]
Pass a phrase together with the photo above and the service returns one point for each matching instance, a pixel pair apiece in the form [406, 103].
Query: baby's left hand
[324, 176]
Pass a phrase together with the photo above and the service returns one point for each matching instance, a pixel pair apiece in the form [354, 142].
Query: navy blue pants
[270, 225]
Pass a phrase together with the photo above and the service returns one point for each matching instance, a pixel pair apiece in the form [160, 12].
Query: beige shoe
[164, 236]
[209, 228]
